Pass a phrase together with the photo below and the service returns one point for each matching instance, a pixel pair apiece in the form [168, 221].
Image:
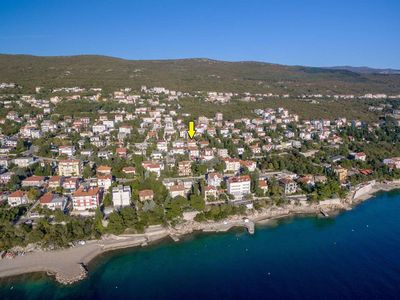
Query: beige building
[289, 185]
[184, 168]
[177, 190]
[69, 168]
[341, 173]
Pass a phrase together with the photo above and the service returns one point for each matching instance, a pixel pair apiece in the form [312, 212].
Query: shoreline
[68, 266]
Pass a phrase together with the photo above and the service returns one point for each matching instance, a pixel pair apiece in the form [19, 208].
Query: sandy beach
[68, 265]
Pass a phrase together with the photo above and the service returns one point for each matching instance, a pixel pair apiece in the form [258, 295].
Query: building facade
[69, 168]
[239, 186]
[85, 199]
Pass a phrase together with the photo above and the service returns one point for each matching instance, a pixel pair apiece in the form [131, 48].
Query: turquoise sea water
[355, 255]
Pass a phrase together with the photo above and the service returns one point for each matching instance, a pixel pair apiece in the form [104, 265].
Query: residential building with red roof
[210, 191]
[69, 168]
[71, 184]
[122, 152]
[33, 181]
[17, 198]
[177, 190]
[103, 170]
[239, 186]
[289, 185]
[263, 184]
[55, 181]
[85, 199]
[146, 195]
[214, 179]
[53, 201]
[129, 170]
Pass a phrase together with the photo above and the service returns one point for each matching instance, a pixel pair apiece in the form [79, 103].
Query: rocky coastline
[68, 266]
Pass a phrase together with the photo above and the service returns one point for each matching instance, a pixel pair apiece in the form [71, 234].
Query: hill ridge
[188, 74]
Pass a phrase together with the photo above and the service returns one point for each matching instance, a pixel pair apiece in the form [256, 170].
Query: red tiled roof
[71, 179]
[88, 192]
[366, 171]
[104, 177]
[46, 198]
[146, 193]
[34, 178]
[103, 168]
[16, 194]
[210, 188]
[285, 180]
[232, 159]
[239, 178]
[129, 170]
[176, 188]
[262, 183]
[247, 162]
[214, 174]
[54, 178]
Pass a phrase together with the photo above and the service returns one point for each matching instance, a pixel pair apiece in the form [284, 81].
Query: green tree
[115, 223]
[129, 216]
[107, 201]
[33, 194]
[98, 222]
[197, 202]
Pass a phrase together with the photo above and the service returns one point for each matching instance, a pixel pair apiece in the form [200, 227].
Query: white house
[66, 150]
[121, 196]
[239, 186]
[24, 162]
[214, 179]
[104, 181]
[17, 198]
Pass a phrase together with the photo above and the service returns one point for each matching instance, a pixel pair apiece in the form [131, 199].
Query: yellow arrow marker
[191, 132]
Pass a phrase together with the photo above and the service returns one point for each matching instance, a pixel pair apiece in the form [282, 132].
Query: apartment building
[239, 186]
[85, 199]
[289, 185]
[69, 168]
[232, 164]
[184, 168]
